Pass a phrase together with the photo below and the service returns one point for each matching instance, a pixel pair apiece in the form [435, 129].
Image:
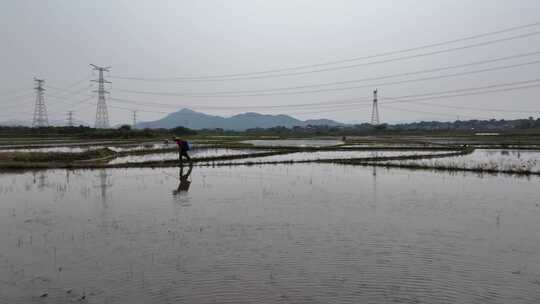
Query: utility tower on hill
[102, 115]
[375, 110]
[40, 111]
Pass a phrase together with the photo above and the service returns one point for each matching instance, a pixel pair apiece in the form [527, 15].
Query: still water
[495, 159]
[305, 233]
[321, 155]
[196, 153]
[294, 142]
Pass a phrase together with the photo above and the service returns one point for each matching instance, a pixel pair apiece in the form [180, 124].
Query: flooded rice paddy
[115, 147]
[197, 153]
[321, 155]
[54, 149]
[303, 233]
[494, 159]
[294, 142]
[293, 156]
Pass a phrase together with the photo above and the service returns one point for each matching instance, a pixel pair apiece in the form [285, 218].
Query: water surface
[495, 159]
[321, 155]
[294, 142]
[197, 152]
[305, 233]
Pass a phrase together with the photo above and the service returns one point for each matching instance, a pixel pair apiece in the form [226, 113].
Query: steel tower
[102, 115]
[375, 110]
[40, 110]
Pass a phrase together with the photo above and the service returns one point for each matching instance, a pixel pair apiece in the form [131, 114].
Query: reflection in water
[488, 159]
[41, 180]
[374, 154]
[179, 194]
[269, 234]
[104, 183]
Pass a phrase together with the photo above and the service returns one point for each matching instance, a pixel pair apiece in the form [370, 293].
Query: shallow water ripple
[268, 234]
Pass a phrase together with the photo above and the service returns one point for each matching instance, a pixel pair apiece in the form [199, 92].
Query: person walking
[183, 148]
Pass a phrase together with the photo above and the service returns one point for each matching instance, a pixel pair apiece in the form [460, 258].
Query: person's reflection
[183, 186]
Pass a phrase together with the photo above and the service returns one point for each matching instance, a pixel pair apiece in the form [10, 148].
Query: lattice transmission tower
[375, 110]
[40, 110]
[134, 118]
[70, 119]
[102, 115]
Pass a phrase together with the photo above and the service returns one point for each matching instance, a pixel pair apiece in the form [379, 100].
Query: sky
[214, 57]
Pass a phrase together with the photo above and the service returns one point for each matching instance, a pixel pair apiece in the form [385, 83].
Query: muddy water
[197, 153]
[55, 149]
[268, 234]
[320, 155]
[294, 142]
[496, 159]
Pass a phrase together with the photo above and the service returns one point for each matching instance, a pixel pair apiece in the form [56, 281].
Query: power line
[500, 87]
[147, 111]
[385, 105]
[332, 109]
[471, 94]
[438, 69]
[77, 103]
[356, 107]
[17, 98]
[238, 76]
[12, 91]
[474, 108]
[71, 93]
[73, 105]
[342, 105]
[492, 69]
[18, 102]
[74, 84]
[485, 109]
[165, 105]
[360, 64]
[353, 106]
[428, 112]
[349, 107]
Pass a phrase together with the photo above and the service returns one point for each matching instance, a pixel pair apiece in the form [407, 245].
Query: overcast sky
[57, 40]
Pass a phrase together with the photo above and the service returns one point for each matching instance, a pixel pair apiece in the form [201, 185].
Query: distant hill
[196, 120]
[323, 122]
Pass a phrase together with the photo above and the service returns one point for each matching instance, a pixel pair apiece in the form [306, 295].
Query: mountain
[256, 120]
[196, 120]
[186, 118]
[323, 122]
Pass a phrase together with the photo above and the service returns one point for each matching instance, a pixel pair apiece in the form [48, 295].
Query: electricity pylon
[70, 118]
[375, 110]
[134, 118]
[40, 111]
[102, 115]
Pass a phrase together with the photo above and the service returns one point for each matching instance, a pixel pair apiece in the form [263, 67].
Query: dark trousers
[183, 153]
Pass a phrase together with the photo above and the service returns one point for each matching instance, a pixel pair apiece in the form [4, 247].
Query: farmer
[183, 147]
